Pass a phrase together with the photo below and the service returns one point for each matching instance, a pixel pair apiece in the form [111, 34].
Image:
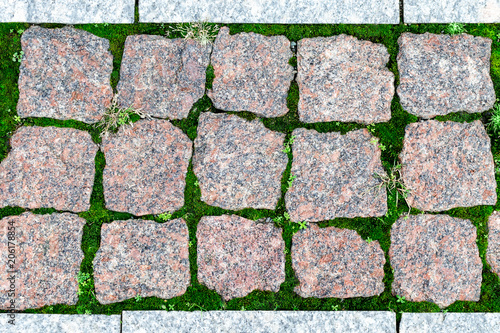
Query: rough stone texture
[450, 322]
[162, 77]
[237, 256]
[332, 262]
[251, 73]
[146, 168]
[441, 74]
[435, 258]
[448, 165]
[67, 11]
[47, 259]
[60, 323]
[446, 11]
[335, 176]
[493, 252]
[239, 164]
[265, 11]
[65, 74]
[48, 167]
[344, 79]
[259, 321]
[139, 257]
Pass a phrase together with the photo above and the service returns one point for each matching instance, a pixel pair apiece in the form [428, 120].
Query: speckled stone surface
[60, 323]
[441, 74]
[239, 164]
[493, 252]
[251, 73]
[265, 11]
[237, 255]
[259, 321]
[48, 167]
[447, 11]
[335, 176]
[449, 322]
[162, 77]
[139, 257]
[146, 168]
[67, 11]
[435, 258]
[47, 259]
[65, 74]
[344, 79]
[332, 262]
[447, 165]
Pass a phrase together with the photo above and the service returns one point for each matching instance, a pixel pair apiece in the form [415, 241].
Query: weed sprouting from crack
[455, 28]
[203, 32]
[393, 182]
[494, 123]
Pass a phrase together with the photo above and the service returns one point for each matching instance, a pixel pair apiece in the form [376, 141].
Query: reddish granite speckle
[236, 255]
[344, 79]
[139, 257]
[440, 74]
[162, 77]
[335, 176]
[493, 252]
[47, 259]
[251, 73]
[435, 258]
[332, 262]
[239, 163]
[48, 167]
[65, 74]
[146, 168]
[448, 165]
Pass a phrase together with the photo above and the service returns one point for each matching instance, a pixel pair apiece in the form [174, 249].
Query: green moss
[197, 296]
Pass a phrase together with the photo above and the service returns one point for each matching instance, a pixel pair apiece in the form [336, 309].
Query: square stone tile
[48, 167]
[446, 11]
[335, 176]
[343, 79]
[447, 165]
[65, 74]
[493, 252]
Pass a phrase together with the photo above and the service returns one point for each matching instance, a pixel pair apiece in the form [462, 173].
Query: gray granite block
[259, 321]
[265, 11]
[55, 323]
[446, 11]
[67, 11]
[450, 322]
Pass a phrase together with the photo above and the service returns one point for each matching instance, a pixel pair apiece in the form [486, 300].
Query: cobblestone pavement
[237, 163]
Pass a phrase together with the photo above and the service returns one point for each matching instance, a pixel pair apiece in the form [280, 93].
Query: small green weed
[494, 123]
[203, 32]
[165, 216]
[288, 145]
[115, 117]
[18, 56]
[455, 28]
[401, 299]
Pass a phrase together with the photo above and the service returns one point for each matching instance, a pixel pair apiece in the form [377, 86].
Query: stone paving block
[146, 168]
[239, 164]
[60, 323]
[344, 79]
[441, 74]
[332, 262]
[252, 73]
[446, 11]
[140, 257]
[65, 74]
[48, 167]
[67, 11]
[447, 165]
[335, 176]
[259, 321]
[264, 11]
[449, 322]
[162, 77]
[237, 255]
[435, 258]
[493, 252]
[47, 256]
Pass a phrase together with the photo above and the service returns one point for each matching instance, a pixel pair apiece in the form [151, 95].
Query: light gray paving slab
[67, 11]
[450, 322]
[259, 321]
[447, 11]
[55, 323]
[265, 11]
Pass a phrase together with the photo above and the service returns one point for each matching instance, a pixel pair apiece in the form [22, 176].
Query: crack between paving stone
[401, 12]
